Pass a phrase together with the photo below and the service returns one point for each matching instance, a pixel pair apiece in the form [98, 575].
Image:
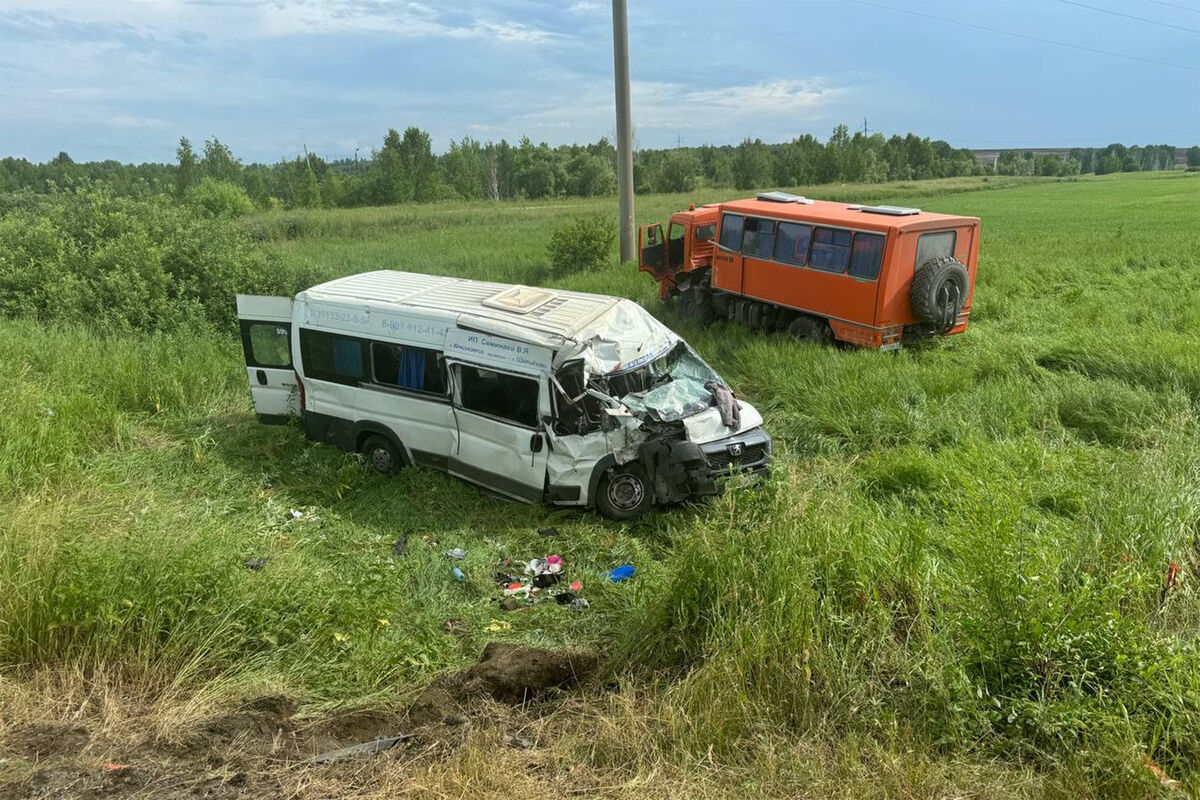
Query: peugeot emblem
[736, 449]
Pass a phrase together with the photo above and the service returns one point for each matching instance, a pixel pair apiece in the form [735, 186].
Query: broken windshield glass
[668, 388]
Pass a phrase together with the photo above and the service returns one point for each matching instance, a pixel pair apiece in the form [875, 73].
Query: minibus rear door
[266, 328]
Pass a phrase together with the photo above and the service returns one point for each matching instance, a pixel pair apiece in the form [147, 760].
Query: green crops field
[955, 584]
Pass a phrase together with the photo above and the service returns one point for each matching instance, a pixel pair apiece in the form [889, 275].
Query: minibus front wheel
[380, 455]
[624, 493]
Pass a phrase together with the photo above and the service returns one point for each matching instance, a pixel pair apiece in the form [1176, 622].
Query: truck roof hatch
[891, 211]
[783, 197]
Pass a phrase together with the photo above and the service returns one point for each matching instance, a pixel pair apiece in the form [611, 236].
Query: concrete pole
[624, 132]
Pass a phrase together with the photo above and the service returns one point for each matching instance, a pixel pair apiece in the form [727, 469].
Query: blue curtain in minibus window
[347, 357]
[412, 369]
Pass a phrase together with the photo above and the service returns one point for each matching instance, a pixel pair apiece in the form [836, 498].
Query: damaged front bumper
[747, 453]
[680, 469]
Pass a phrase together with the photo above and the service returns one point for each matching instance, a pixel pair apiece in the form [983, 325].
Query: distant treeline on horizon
[405, 169]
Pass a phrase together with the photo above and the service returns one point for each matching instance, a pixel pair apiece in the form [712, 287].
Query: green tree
[185, 172]
[218, 162]
[416, 154]
[751, 165]
[1193, 156]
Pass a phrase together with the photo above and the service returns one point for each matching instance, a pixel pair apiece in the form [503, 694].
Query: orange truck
[872, 276]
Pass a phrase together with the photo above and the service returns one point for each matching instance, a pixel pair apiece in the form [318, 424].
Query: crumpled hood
[707, 426]
[624, 337]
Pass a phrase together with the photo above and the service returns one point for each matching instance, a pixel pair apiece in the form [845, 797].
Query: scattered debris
[1167, 781]
[499, 625]
[579, 604]
[548, 532]
[576, 586]
[376, 746]
[546, 579]
[400, 546]
[456, 626]
[458, 554]
[458, 574]
[564, 598]
[255, 564]
[621, 573]
[518, 741]
[116, 767]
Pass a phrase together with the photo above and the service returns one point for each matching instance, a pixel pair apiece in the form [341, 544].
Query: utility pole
[624, 130]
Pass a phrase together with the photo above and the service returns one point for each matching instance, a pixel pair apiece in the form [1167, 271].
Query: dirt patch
[248, 751]
[45, 739]
[507, 673]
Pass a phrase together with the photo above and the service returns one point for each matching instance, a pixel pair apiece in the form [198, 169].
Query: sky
[124, 79]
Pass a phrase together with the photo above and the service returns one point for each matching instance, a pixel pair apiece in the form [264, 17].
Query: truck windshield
[670, 387]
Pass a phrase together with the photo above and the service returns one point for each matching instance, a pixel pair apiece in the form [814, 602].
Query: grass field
[954, 585]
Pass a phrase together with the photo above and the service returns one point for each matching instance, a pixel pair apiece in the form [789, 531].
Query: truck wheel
[624, 493]
[811, 329]
[696, 305]
[939, 289]
[380, 455]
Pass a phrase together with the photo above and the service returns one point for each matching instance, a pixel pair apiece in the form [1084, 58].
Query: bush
[583, 243]
[219, 199]
[135, 264]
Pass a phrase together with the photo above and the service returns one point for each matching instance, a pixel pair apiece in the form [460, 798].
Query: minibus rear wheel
[380, 455]
[624, 493]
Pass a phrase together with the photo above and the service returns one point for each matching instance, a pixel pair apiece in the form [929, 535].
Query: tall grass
[962, 556]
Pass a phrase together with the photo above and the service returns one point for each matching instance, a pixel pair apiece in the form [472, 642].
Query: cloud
[663, 106]
[586, 7]
[127, 121]
[221, 20]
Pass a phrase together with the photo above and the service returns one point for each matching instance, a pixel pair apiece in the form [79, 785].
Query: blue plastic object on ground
[458, 574]
[621, 573]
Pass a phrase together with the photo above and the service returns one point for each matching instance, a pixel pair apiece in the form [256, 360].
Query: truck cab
[687, 246]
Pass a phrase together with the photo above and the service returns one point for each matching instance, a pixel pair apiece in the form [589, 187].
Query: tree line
[405, 169]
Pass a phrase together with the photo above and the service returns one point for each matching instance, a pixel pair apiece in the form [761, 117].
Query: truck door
[266, 327]
[652, 250]
[500, 440]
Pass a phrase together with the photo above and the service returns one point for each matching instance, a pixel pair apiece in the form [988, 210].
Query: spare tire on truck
[939, 290]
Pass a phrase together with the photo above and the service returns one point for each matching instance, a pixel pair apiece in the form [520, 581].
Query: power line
[990, 29]
[1129, 16]
[1174, 5]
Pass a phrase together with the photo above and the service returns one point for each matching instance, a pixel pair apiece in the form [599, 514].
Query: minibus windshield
[670, 387]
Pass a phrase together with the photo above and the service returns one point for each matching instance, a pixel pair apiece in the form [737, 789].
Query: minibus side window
[577, 411]
[414, 368]
[499, 394]
[330, 357]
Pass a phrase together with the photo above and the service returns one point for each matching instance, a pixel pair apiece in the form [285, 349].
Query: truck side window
[830, 249]
[705, 232]
[731, 231]
[759, 237]
[932, 245]
[329, 357]
[414, 368]
[499, 394]
[791, 246]
[866, 255]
